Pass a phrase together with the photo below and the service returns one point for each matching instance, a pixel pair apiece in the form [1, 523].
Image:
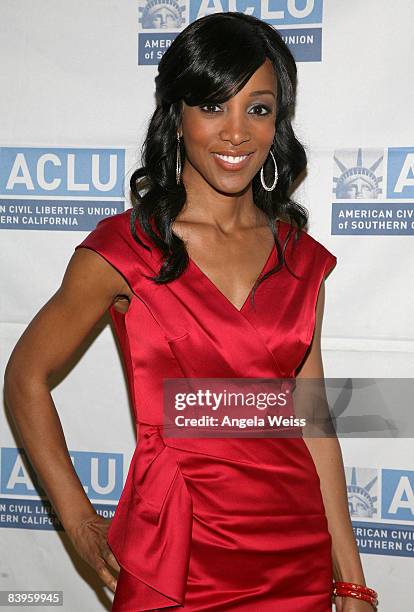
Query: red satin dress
[210, 524]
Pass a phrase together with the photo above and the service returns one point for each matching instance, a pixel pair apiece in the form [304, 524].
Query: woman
[208, 275]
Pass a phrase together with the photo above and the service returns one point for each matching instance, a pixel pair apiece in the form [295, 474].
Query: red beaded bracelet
[359, 591]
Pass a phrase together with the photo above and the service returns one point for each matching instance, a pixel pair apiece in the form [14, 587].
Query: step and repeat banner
[77, 93]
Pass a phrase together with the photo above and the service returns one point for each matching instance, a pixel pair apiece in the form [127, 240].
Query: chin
[236, 189]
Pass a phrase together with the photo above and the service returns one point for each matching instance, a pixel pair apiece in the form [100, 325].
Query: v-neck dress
[215, 524]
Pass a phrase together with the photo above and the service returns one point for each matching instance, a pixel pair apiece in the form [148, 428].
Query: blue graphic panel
[38, 514]
[101, 474]
[372, 218]
[400, 183]
[61, 171]
[305, 44]
[398, 495]
[159, 25]
[151, 47]
[57, 215]
[275, 12]
[384, 539]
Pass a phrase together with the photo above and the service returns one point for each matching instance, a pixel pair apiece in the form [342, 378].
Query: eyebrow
[262, 91]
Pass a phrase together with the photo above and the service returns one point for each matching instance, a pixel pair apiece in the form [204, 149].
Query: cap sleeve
[328, 261]
[113, 241]
[320, 263]
[324, 263]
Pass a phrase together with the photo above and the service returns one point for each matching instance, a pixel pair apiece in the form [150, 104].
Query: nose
[235, 129]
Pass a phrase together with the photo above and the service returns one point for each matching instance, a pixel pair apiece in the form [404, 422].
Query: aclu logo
[160, 21]
[23, 502]
[60, 188]
[381, 506]
[373, 191]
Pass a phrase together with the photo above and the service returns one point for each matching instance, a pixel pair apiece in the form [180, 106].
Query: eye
[207, 106]
[267, 109]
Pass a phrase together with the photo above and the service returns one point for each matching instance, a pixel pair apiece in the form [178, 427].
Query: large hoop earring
[276, 175]
[178, 162]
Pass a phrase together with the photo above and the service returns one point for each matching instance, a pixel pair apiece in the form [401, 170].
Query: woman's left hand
[351, 604]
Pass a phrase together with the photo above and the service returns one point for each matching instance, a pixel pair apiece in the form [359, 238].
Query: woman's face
[244, 125]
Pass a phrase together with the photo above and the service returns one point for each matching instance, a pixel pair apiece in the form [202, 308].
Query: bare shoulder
[90, 274]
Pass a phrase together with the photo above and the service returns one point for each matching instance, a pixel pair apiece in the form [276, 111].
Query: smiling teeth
[231, 159]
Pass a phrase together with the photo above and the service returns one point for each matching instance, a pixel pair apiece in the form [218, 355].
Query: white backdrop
[73, 87]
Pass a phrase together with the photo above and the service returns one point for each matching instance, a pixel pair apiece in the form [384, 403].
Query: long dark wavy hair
[209, 62]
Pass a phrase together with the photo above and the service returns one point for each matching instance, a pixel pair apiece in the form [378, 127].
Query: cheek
[265, 133]
[193, 125]
[198, 136]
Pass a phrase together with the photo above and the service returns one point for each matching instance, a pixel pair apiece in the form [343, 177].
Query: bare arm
[89, 286]
[327, 456]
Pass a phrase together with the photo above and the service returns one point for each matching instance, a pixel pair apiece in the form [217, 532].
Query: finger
[106, 576]
[110, 559]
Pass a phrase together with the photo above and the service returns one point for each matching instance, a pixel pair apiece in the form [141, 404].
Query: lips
[226, 164]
